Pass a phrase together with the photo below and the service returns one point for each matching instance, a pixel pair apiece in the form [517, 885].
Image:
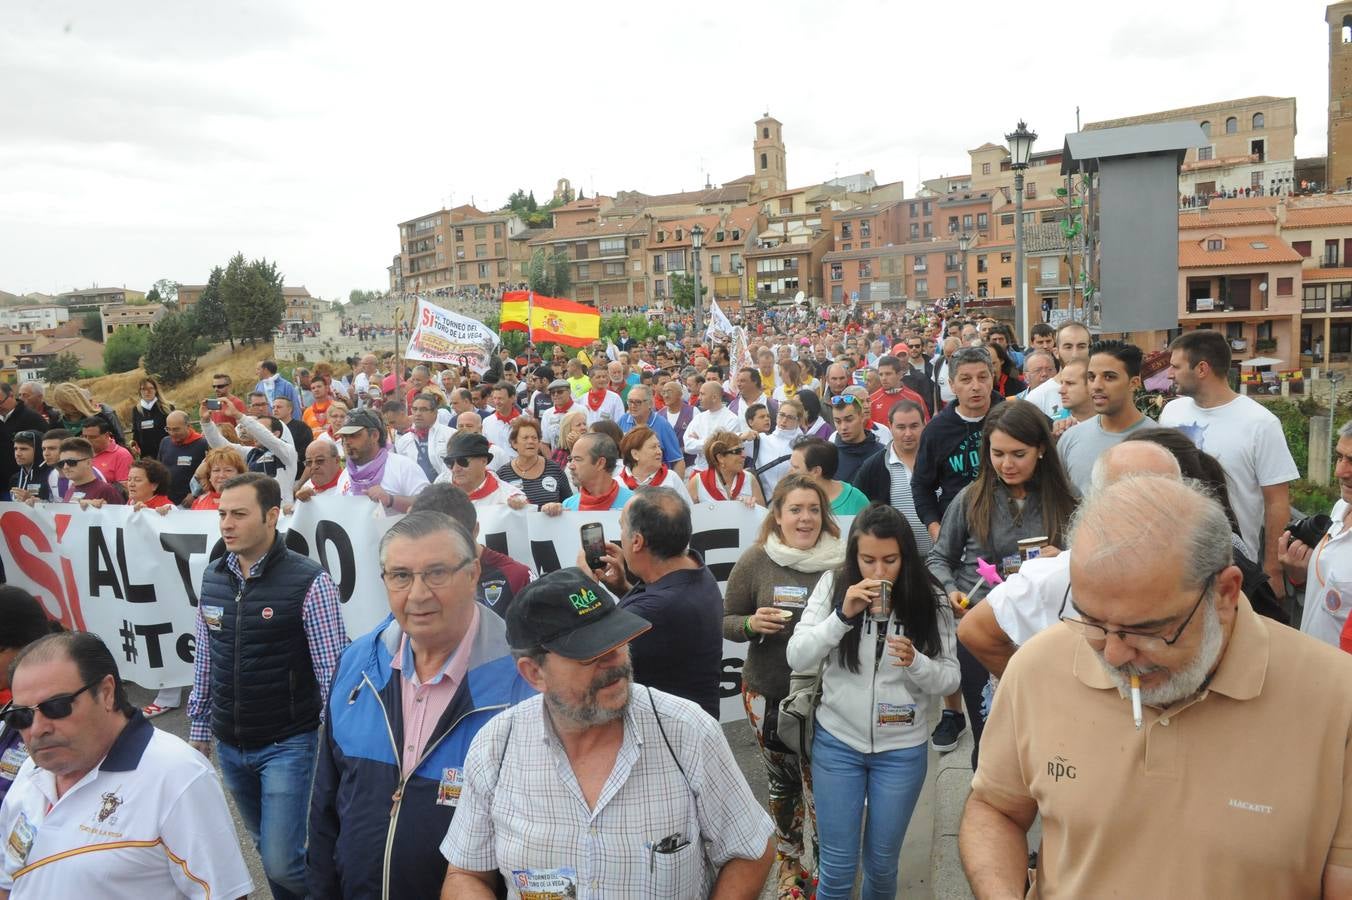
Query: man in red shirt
[221, 384]
[892, 390]
[110, 458]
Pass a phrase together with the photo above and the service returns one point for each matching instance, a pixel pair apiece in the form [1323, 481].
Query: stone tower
[767, 151]
[1339, 19]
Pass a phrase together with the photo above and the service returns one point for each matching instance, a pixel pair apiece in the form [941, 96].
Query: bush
[174, 346]
[124, 349]
[1311, 498]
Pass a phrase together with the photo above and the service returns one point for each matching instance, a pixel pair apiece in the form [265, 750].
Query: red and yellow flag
[551, 319]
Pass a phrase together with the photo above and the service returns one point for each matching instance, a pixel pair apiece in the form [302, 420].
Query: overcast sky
[153, 140]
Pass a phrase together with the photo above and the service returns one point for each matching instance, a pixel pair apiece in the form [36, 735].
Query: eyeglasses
[1096, 635]
[70, 463]
[845, 400]
[58, 707]
[734, 451]
[460, 462]
[434, 577]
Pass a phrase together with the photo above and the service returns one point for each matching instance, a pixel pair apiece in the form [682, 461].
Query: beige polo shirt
[1243, 791]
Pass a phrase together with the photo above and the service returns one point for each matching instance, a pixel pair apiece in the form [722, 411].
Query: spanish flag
[553, 320]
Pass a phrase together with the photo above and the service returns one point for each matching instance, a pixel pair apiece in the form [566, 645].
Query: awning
[1260, 361]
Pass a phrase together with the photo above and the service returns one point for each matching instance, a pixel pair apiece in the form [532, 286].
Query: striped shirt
[904, 503]
[550, 487]
[523, 813]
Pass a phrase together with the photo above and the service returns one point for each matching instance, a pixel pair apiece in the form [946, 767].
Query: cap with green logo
[568, 613]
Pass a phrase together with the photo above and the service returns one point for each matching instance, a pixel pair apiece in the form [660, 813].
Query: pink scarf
[365, 477]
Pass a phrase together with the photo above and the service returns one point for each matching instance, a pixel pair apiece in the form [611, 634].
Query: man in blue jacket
[407, 700]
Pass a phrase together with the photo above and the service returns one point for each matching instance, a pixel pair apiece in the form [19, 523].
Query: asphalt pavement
[913, 884]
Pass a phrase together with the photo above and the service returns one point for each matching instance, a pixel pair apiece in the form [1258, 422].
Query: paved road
[915, 853]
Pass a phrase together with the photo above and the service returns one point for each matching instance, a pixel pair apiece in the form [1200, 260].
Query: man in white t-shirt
[1072, 342]
[374, 469]
[107, 806]
[713, 416]
[1246, 439]
[1325, 569]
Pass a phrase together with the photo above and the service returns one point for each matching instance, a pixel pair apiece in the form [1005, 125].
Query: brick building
[460, 249]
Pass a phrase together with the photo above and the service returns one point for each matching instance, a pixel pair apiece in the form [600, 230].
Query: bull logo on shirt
[111, 802]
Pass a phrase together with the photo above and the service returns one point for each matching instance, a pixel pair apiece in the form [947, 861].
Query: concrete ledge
[952, 784]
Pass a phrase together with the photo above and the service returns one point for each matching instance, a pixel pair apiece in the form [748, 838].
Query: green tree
[92, 326]
[65, 367]
[123, 349]
[209, 313]
[549, 274]
[153, 296]
[252, 292]
[166, 289]
[683, 289]
[174, 346]
[357, 296]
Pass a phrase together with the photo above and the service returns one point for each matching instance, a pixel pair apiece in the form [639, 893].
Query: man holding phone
[221, 385]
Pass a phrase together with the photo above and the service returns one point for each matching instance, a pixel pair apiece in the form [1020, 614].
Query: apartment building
[606, 259]
[724, 243]
[89, 298]
[144, 315]
[462, 248]
[33, 318]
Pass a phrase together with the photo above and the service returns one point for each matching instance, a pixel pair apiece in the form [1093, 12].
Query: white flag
[718, 322]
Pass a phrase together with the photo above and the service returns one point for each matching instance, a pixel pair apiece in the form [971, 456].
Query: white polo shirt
[148, 821]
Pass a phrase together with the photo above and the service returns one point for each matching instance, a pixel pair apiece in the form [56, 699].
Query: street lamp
[964, 244]
[696, 242]
[1020, 149]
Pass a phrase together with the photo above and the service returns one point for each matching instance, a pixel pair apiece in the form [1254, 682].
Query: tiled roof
[1317, 216]
[1240, 251]
[1269, 202]
[1326, 274]
[1218, 218]
[871, 209]
[1047, 237]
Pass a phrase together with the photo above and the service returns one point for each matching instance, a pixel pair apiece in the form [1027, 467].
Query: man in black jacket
[854, 439]
[14, 417]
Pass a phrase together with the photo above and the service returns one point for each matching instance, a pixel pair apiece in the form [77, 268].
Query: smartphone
[594, 544]
[213, 403]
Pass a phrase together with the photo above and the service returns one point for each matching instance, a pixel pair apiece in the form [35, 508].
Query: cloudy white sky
[144, 140]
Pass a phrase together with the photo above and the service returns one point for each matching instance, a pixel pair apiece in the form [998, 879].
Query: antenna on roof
[1077, 117]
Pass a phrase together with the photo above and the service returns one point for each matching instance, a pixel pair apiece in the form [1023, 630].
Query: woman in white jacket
[879, 676]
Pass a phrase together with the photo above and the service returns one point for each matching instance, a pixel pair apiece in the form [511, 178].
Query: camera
[1310, 530]
[213, 403]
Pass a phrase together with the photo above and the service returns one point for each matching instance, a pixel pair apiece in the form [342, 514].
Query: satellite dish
[800, 297]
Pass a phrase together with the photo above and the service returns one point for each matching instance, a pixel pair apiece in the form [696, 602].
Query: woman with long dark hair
[883, 660]
[1008, 381]
[149, 418]
[1022, 491]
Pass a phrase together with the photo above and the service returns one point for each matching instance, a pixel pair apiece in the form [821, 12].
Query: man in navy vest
[269, 634]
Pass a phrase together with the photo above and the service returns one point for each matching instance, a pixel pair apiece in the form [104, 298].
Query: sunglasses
[845, 400]
[58, 707]
[70, 463]
[461, 462]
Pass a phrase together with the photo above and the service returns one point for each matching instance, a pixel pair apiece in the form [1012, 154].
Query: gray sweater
[953, 559]
[750, 586]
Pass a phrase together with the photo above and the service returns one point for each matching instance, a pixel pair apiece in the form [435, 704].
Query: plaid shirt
[324, 631]
[522, 811]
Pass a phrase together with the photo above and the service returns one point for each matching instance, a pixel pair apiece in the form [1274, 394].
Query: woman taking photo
[1022, 491]
[148, 417]
[147, 482]
[641, 453]
[219, 466]
[539, 477]
[726, 477]
[766, 595]
[883, 661]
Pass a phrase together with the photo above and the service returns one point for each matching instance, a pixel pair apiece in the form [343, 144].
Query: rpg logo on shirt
[1059, 768]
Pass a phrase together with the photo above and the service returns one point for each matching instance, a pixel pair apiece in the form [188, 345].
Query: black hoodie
[948, 460]
[852, 456]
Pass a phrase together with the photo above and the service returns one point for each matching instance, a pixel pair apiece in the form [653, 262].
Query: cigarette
[1136, 700]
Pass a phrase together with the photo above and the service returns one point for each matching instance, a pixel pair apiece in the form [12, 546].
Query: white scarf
[828, 553]
[148, 405]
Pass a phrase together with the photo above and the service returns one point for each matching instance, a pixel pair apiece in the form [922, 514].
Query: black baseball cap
[568, 613]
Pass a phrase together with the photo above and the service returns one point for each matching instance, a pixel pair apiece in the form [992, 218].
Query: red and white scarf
[715, 488]
[634, 484]
[489, 486]
[598, 501]
[596, 398]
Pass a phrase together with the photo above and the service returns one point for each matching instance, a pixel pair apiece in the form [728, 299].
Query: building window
[580, 250]
[764, 162]
[983, 221]
[718, 237]
[659, 288]
[480, 232]
[1258, 120]
[927, 207]
[1256, 179]
[1006, 282]
[1006, 218]
[985, 168]
[1206, 129]
[837, 293]
[497, 231]
[1030, 190]
[680, 234]
[929, 230]
[951, 284]
[735, 261]
[480, 251]
[611, 247]
[612, 269]
[657, 262]
[983, 288]
[460, 234]
[914, 210]
[661, 236]
[676, 260]
[633, 243]
[837, 272]
[715, 264]
[736, 234]
[483, 270]
[915, 231]
[583, 271]
[1206, 153]
[921, 287]
[846, 231]
[1285, 287]
[952, 224]
[765, 133]
[865, 228]
[1215, 244]
[1312, 297]
[1301, 247]
[1231, 125]
[981, 263]
[502, 268]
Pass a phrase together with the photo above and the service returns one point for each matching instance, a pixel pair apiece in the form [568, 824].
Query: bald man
[1030, 599]
[182, 451]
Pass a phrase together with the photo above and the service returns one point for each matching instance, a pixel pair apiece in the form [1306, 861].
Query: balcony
[1330, 261]
[920, 267]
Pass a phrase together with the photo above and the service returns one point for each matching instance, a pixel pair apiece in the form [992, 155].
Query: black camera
[1310, 530]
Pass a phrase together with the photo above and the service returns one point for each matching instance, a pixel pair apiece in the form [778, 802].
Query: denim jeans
[842, 778]
[271, 786]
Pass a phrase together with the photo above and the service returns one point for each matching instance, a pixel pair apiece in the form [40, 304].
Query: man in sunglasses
[1155, 604]
[221, 385]
[467, 467]
[76, 465]
[424, 681]
[107, 805]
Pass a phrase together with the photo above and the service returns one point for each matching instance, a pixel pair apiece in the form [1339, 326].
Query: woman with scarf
[881, 670]
[726, 477]
[540, 478]
[813, 425]
[22, 621]
[766, 594]
[791, 381]
[148, 418]
[771, 451]
[220, 465]
[641, 453]
[147, 485]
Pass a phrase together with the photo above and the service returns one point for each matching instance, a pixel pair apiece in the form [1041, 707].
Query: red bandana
[596, 398]
[633, 483]
[567, 406]
[193, 435]
[515, 412]
[715, 488]
[602, 501]
[489, 486]
[321, 488]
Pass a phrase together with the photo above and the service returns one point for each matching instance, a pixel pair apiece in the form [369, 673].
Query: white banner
[133, 577]
[440, 335]
[718, 322]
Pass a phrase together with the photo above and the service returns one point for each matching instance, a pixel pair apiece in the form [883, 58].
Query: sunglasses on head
[845, 399]
[70, 463]
[58, 707]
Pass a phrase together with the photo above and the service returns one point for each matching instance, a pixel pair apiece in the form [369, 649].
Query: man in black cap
[651, 801]
[467, 467]
[375, 470]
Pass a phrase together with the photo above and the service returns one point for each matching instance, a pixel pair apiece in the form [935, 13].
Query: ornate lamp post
[696, 242]
[1020, 149]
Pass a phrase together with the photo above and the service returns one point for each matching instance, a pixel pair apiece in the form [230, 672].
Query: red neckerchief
[596, 398]
[321, 488]
[157, 501]
[567, 406]
[515, 412]
[489, 486]
[633, 484]
[597, 501]
[711, 484]
[193, 435]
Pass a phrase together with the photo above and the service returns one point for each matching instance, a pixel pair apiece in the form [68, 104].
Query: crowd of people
[953, 524]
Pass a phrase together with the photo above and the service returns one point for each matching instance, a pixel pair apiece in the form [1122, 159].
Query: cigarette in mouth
[1136, 701]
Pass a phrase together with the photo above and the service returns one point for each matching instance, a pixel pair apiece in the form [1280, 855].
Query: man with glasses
[467, 459]
[425, 440]
[424, 681]
[854, 439]
[1155, 602]
[107, 805]
[220, 386]
[562, 396]
[327, 474]
[269, 634]
[640, 405]
[83, 486]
